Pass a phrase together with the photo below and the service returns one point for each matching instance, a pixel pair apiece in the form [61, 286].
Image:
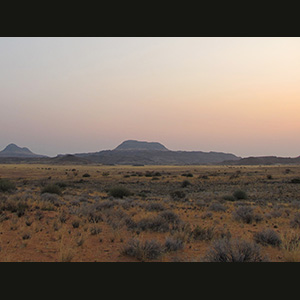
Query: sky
[73, 95]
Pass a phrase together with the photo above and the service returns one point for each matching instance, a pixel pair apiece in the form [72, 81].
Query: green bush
[240, 195]
[6, 185]
[295, 180]
[119, 192]
[51, 189]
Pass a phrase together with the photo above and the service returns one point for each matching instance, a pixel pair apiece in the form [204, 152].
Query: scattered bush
[119, 192]
[177, 195]
[95, 230]
[295, 222]
[226, 250]
[268, 237]
[6, 185]
[86, 175]
[203, 234]
[217, 206]
[187, 175]
[51, 198]
[155, 224]
[173, 244]
[155, 206]
[148, 250]
[295, 180]
[170, 217]
[240, 195]
[244, 214]
[185, 183]
[75, 224]
[51, 189]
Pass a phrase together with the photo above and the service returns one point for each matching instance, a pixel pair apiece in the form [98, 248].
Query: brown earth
[43, 227]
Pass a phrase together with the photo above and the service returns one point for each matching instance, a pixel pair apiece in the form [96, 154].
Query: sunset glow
[72, 95]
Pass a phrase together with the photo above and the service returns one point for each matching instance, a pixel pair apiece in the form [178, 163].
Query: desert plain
[97, 213]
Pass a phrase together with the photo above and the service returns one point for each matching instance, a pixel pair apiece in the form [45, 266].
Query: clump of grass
[295, 180]
[227, 250]
[6, 185]
[187, 175]
[119, 192]
[142, 251]
[185, 183]
[295, 222]
[173, 244]
[95, 230]
[155, 224]
[170, 217]
[268, 237]
[217, 206]
[203, 234]
[51, 189]
[291, 246]
[178, 195]
[155, 206]
[76, 224]
[240, 195]
[244, 214]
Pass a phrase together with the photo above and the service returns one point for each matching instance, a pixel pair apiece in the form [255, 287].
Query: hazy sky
[71, 95]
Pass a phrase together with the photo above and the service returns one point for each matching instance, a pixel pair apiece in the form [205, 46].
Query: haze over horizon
[73, 95]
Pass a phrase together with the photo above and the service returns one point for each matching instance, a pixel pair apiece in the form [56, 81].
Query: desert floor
[148, 213]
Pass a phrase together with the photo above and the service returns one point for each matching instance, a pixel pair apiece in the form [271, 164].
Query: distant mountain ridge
[132, 152]
[13, 150]
[264, 160]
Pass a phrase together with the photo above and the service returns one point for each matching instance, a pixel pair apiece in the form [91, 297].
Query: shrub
[185, 183]
[240, 195]
[95, 230]
[295, 222]
[217, 206]
[177, 195]
[203, 234]
[75, 224]
[295, 180]
[142, 251]
[86, 175]
[244, 214]
[187, 175]
[170, 217]
[119, 192]
[155, 224]
[226, 250]
[268, 237]
[6, 185]
[52, 198]
[51, 189]
[173, 244]
[61, 184]
[155, 207]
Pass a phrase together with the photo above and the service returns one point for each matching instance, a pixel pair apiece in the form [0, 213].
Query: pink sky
[70, 95]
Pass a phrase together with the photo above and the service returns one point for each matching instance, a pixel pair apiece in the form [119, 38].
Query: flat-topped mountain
[13, 150]
[138, 145]
[152, 153]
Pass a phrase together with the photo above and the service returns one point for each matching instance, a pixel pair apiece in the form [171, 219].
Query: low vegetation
[149, 213]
